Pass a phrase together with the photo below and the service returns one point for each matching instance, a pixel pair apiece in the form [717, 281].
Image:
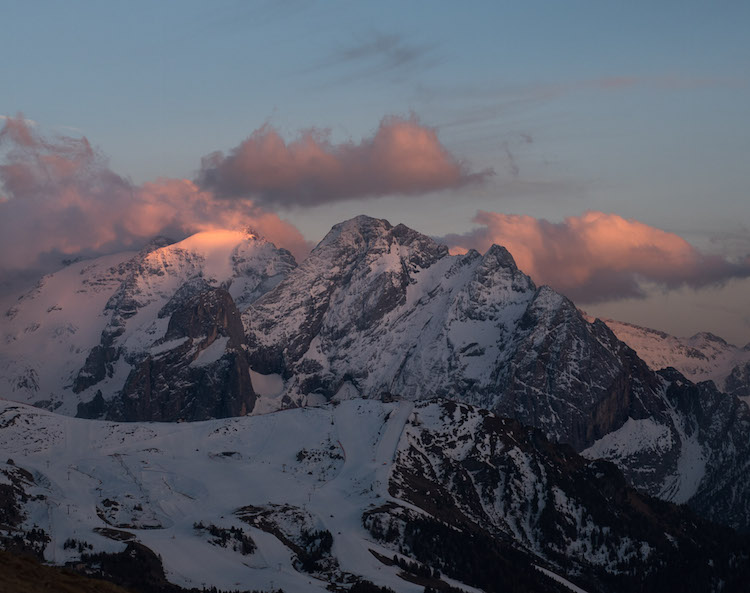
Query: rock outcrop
[199, 370]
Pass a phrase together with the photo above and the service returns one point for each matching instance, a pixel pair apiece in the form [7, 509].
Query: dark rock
[98, 365]
[503, 482]
[94, 409]
[176, 383]
[573, 379]
[738, 381]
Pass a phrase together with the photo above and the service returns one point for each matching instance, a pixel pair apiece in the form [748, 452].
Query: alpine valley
[208, 414]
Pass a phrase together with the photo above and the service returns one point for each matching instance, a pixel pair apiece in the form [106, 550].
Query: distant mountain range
[702, 357]
[477, 403]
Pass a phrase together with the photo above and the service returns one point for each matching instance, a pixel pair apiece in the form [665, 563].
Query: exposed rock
[482, 481]
[199, 369]
[738, 381]
[94, 409]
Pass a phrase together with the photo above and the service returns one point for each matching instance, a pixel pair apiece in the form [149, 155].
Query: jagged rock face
[722, 424]
[563, 367]
[738, 381]
[380, 309]
[199, 370]
[285, 322]
[702, 458]
[702, 357]
[482, 480]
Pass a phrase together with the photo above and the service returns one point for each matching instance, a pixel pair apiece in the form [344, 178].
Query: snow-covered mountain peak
[220, 254]
[364, 236]
[500, 257]
[358, 232]
[702, 338]
[83, 328]
[380, 309]
[702, 357]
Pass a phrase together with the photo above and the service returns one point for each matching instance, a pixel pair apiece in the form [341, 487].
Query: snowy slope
[47, 333]
[369, 474]
[156, 480]
[702, 357]
[122, 303]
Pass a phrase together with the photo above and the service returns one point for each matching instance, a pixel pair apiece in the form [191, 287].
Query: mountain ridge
[365, 490]
[701, 357]
[379, 311]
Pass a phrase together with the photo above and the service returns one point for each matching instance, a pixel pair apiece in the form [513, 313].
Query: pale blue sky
[636, 108]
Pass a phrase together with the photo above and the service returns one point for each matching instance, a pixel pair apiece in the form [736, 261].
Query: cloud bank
[402, 157]
[597, 257]
[60, 199]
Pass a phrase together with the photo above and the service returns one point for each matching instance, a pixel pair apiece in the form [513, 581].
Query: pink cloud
[60, 199]
[597, 256]
[403, 157]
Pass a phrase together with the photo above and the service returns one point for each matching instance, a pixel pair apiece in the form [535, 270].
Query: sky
[605, 144]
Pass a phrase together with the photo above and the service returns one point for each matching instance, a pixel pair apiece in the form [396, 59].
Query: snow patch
[556, 577]
[211, 354]
[633, 437]
[267, 385]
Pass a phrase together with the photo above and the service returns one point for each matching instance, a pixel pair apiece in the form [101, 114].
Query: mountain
[380, 309]
[116, 335]
[224, 324]
[377, 310]
[702, 357]
[403, 495]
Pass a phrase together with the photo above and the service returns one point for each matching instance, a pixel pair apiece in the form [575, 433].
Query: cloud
[61, 200]
[597, 256]
[478, 105]
[28, 122]
[403, 157]
[379, 54]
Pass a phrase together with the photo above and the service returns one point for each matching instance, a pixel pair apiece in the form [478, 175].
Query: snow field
[155, 481]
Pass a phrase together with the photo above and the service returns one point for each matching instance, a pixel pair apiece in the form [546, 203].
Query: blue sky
[640, 109]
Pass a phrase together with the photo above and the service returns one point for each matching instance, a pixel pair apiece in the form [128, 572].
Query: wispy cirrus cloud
[479, 104]
[61, 199]
[379, 54]
[597, 256]
[402, 157]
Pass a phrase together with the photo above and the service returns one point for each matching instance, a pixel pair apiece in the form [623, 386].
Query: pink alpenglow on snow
[403, 157]
[598, 256]
[62, 199]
